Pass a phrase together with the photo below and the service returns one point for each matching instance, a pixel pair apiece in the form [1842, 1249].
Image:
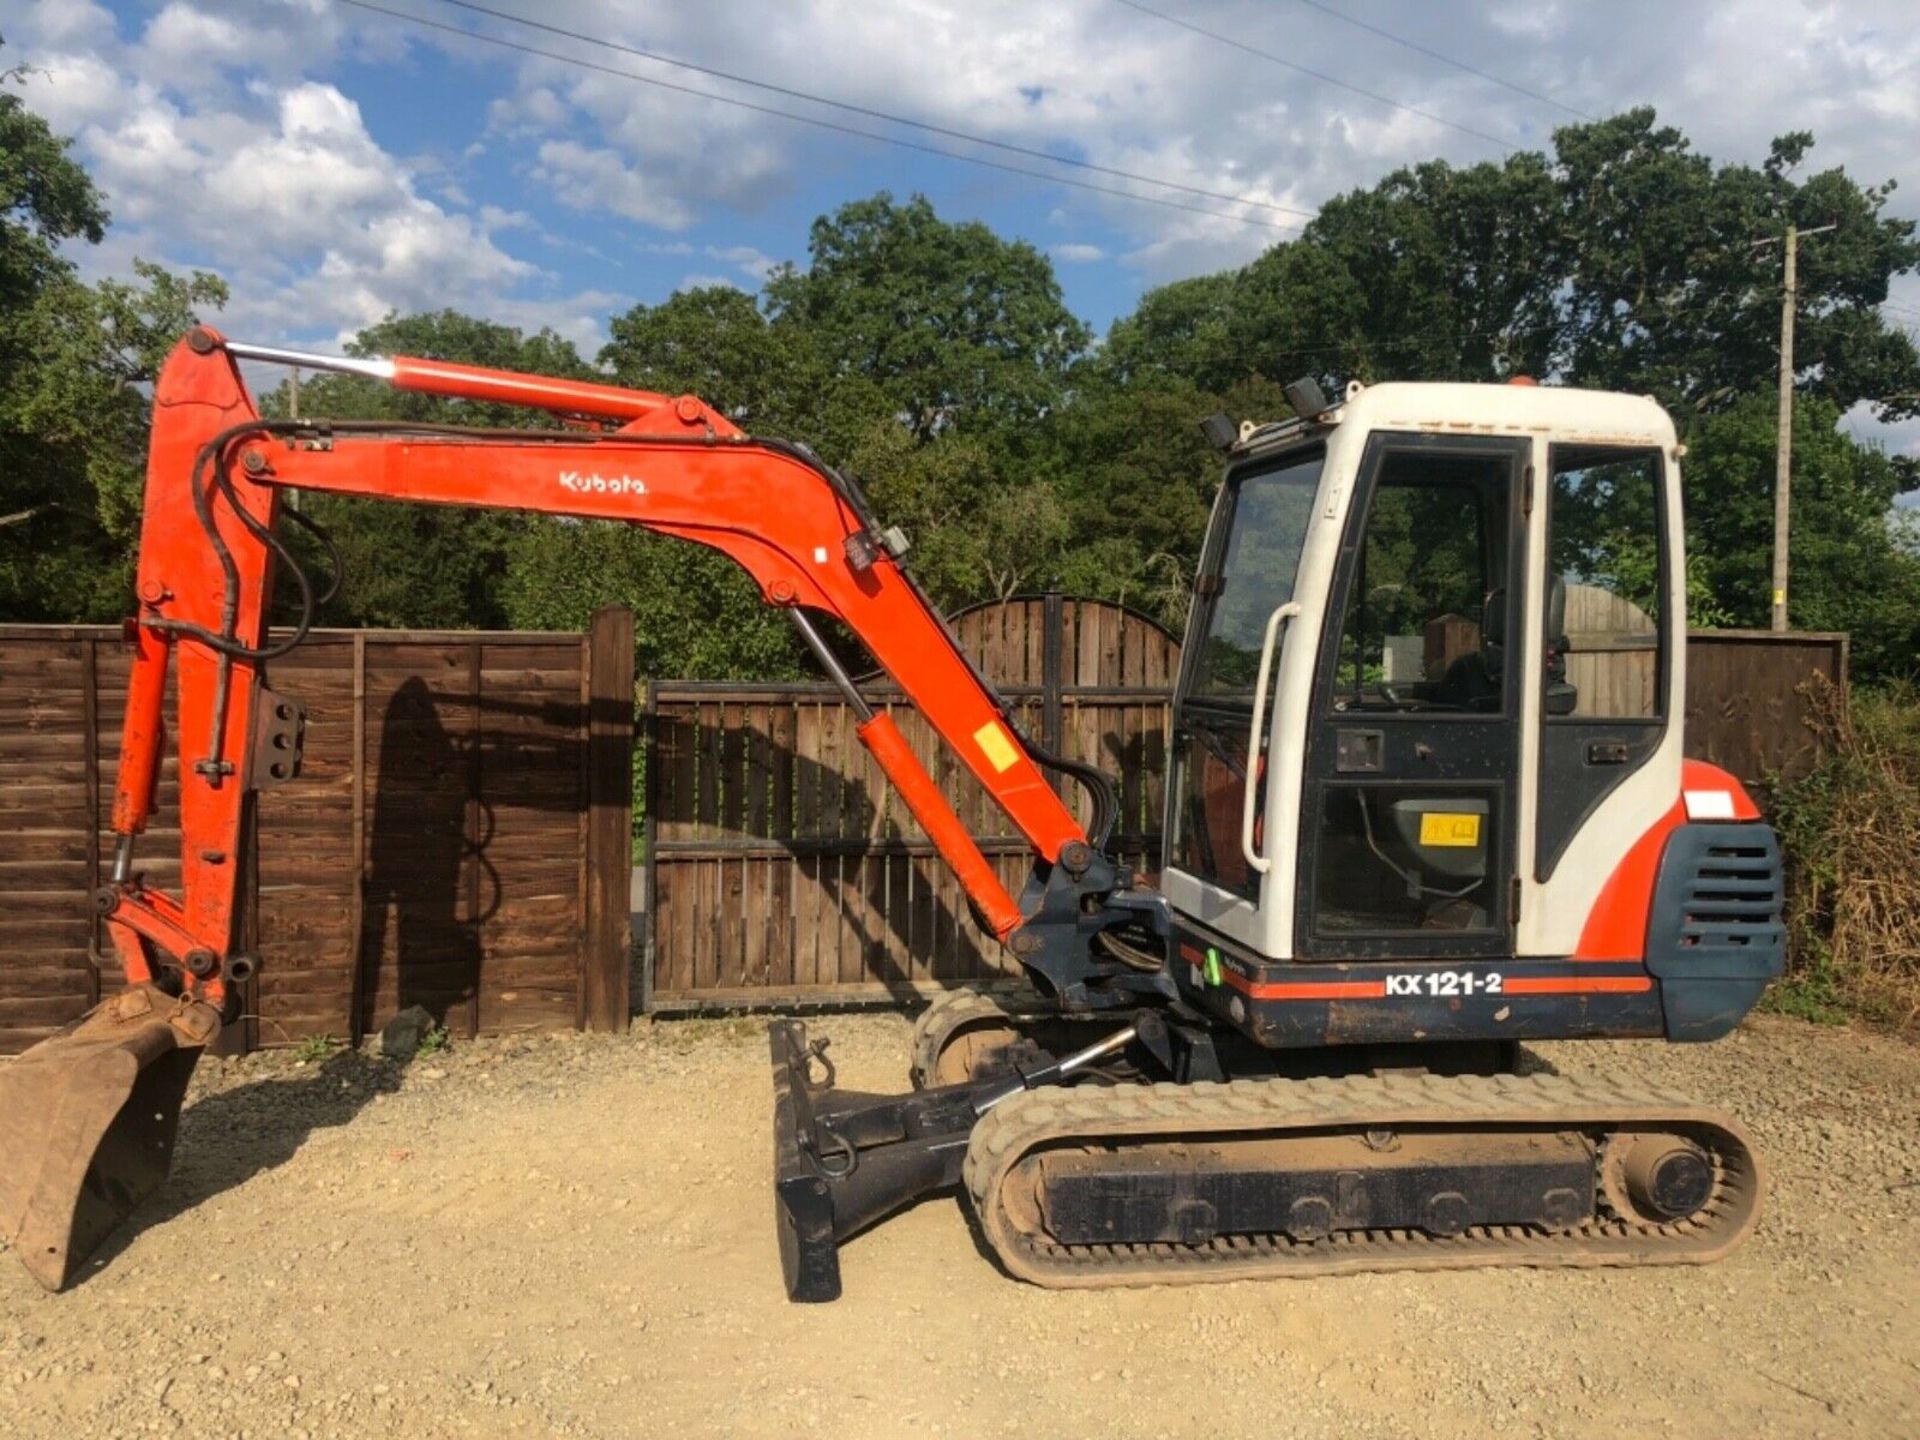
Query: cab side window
[1604, 621]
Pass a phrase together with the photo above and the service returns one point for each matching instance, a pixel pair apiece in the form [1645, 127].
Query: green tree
[954, 324]
[697, 615]
[1670, 296]
[1182, 332]
[74, 361]
[409, 565]
[976, 534]
[1852, 568]
[1137, 481]
[717, 342]
[1625, 261]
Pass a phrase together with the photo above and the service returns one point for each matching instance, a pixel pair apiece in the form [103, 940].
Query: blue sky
[334, 163]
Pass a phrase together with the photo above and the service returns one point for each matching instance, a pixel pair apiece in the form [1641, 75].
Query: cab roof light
[1306, 397]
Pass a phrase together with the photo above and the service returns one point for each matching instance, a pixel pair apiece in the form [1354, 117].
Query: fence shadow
[431, 883]
[846, 876]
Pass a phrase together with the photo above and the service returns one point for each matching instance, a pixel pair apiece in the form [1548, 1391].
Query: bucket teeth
[87, 1124]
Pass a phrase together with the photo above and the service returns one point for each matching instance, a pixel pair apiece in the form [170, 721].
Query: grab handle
[1255, 773]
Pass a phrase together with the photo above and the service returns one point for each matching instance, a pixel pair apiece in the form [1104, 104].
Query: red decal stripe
[1306, 990]
[1579, 985]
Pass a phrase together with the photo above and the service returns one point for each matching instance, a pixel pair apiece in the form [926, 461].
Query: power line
[1420, 49]
[870, 113]
[503, 43]
[1320, 75]
[506, 44]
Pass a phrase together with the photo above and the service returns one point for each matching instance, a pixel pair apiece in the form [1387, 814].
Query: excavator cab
[1429, 709]
[1427, 798]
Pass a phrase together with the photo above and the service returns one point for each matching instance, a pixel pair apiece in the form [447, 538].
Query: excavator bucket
[87, 1124]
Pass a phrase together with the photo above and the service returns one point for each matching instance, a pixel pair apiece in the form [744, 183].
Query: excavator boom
[208, 555]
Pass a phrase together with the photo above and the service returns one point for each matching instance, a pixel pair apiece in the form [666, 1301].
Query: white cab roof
[1592, 416]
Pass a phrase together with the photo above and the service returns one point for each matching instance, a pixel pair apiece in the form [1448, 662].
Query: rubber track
[1077, 1116]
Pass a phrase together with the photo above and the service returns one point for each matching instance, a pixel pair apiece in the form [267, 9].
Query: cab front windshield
[1249, 572]
[1266, 515]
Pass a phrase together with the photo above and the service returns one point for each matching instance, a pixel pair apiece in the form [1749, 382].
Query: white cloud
[208, 157]
[70, 22]
[74, 88]
[585, 178]
[751, 262]
[206, 100]
[181, 38]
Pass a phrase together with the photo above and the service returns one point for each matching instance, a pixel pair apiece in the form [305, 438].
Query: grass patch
[1851, 832]
[315, 1048]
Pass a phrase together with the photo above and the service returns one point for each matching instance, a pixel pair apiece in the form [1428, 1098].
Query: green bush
[1851, 832]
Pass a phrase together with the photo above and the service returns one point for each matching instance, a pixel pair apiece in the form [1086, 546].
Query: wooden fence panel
[781, 864]
[1746, 705]
[46, 860]
[780, 869]
[447, 841]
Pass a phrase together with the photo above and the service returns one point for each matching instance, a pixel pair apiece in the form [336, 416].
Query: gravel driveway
[572, 1235]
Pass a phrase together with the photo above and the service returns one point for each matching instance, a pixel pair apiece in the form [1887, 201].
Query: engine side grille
[1717, 907]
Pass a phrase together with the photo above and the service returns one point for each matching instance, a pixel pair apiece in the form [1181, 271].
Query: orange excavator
[1427, 800]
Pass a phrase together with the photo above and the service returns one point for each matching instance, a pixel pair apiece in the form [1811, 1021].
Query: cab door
[1243, 598]
[1410, 796]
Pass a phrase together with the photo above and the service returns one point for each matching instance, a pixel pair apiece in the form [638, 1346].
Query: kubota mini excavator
[1426, 800]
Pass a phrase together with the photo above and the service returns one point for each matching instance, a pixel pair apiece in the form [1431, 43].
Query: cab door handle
[1607, 752]
[1257, 773]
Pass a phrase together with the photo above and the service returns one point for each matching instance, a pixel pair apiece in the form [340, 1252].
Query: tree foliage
[1850, 570]
[954, 324]
[938, 364]
[1624, 261]
[73, 361]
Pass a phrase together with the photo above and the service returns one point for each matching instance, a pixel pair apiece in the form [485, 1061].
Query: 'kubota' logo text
[597, 484]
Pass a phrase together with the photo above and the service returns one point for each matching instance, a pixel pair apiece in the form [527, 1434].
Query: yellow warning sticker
[997, 745]
[1439, 827]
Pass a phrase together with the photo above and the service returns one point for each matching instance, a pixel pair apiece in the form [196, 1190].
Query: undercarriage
[1095, 1167]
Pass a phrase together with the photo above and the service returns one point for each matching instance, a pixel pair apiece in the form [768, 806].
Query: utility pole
[293, 413]
[1783, 445]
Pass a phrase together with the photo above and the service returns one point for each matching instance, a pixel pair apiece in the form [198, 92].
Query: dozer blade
[87, 1124]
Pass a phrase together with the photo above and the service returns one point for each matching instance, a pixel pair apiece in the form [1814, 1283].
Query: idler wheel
[1661, 1178]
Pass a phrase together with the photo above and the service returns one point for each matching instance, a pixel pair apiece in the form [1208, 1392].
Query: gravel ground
[572, 1235]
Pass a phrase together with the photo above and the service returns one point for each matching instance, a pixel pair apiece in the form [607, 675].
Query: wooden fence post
[478, 823]
[1053, 618]
[90, 726]
[357, 896]
[604, 978]
[649, 831]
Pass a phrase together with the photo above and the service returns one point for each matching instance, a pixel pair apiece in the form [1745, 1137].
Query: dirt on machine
[1427, 801]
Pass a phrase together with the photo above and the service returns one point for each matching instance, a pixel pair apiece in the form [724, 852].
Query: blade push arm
[675, 467]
